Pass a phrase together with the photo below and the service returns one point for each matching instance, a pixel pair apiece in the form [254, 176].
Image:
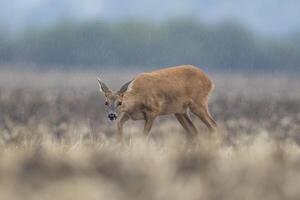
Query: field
[55, 142]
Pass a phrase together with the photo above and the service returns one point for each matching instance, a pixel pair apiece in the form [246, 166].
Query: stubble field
[56, 143]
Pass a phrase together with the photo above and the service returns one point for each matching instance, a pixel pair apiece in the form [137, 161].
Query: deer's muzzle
[112, 116]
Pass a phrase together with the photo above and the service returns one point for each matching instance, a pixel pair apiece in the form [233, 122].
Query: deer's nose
[112, 116]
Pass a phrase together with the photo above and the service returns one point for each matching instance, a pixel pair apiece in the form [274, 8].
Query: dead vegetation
[56, 144]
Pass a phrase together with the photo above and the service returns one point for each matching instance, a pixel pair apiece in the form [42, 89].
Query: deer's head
[113, 100]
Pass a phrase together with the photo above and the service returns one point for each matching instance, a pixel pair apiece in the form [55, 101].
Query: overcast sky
[269, 17]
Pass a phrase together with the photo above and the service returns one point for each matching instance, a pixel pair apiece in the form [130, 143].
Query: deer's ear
[124, 88]
[102, 87]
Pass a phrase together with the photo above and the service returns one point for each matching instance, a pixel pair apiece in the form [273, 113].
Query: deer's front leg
[148, 124]
[123, 118]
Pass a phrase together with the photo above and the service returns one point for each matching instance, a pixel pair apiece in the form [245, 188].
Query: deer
[169, 91]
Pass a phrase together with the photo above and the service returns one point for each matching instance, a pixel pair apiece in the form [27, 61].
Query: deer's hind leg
[200, 109]
[186, 123]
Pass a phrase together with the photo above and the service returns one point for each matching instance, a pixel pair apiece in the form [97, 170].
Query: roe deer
[166, 91]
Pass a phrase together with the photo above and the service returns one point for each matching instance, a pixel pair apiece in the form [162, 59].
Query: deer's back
[174, 82]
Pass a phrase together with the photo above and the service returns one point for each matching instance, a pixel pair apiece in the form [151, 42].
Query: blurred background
[229, 35]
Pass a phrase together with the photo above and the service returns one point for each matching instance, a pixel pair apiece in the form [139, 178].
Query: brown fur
[167, 91]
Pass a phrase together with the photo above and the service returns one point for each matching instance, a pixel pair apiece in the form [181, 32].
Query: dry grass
[55, 143]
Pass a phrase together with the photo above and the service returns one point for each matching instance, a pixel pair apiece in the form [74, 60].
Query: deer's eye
[120, 103]
[106, 103]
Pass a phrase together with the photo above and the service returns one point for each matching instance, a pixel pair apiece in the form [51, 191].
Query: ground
[55, 142]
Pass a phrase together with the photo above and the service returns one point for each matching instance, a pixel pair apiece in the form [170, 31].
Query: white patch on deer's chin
[129, 88]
